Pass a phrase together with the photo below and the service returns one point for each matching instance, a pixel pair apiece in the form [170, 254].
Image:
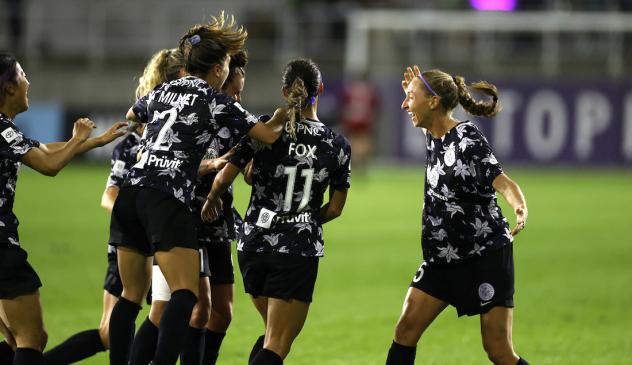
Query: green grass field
[573, 270]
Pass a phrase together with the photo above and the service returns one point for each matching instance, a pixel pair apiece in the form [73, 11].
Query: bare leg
[420, 310]
[285, 320]
[23, 318]
[221, 307]
[109, 301]
[135, 271]
[496, 327]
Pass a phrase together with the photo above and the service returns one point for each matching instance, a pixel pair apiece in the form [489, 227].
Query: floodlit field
[573, 269]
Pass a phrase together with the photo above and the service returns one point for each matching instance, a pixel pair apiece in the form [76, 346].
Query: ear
[321, 88]
[10, 89]
[217, 69]
[435, 101]
[284, 91]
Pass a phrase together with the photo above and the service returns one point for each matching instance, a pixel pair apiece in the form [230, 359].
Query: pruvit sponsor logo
[299, 218]
[162, 162]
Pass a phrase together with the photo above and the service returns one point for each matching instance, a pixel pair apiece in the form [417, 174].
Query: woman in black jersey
[20, 308]
[164, 65]
[282, 230]
[213, 312]
[466, 241]
[151, 216]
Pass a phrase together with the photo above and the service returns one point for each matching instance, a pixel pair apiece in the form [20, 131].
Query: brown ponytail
[296, 100]
[480, 108]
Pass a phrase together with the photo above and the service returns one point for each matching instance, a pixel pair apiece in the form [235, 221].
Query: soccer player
[282, 230]
[213, 312]
[151, 216]
[20, 308]
[466, 242]
[165, 65]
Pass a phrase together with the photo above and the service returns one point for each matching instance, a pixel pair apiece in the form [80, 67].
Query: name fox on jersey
[173, 98]
[163, 162]
[302, 150]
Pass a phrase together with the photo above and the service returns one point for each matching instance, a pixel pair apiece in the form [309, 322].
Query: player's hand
[115, 131]
[82, 129]
[217, 164]
[521, 220]
[212, 210]
[409, 76]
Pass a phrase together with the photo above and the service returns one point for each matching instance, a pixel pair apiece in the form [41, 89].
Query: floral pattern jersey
[13, 146]
[289, 180]
[461, 218]
[182, 118]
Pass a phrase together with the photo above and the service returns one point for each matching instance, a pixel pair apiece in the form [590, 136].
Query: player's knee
[407, 332]
[278, 345]
[499, 351]
[104, 334]
[201, 313]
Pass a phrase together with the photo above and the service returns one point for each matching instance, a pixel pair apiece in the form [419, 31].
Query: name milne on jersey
[175, 99]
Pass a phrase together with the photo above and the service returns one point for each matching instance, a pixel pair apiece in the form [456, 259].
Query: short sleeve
[13, 144]
[340, 179]
[232, 115]
[123, 158]
[480, 157]
[244, 152]
[140, 109]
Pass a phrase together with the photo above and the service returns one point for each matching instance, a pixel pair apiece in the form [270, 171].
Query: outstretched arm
[514, 196]
[269, 131]
[49, 159]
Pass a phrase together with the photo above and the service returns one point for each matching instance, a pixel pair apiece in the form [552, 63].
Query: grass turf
[573, 269]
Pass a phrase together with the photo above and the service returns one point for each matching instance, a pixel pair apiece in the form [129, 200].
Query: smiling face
[418, 104]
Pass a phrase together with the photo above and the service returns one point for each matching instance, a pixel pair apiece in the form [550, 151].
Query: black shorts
[277, 275]
[473, 287]
[148, 220]
[113, 283]
[17, 276]
[220, 263]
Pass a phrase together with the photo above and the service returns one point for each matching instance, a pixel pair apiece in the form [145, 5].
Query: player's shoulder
[468, 129]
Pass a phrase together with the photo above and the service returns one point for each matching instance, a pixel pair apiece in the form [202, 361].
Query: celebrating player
[282, 241]
[213, 312]
[151, 216]
[165, 65]
[466, 242]
[20, 308]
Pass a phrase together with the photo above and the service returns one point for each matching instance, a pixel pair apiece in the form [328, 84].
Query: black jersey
[13, 145]
[182, 117]
[461, 217]
[123, 158]
[289, 180]
[222, 229]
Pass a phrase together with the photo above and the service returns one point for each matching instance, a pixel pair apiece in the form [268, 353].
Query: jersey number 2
[171, 115]
[289, 190]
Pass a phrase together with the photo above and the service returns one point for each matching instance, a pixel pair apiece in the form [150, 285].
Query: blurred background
[562, 65]
[565, 135]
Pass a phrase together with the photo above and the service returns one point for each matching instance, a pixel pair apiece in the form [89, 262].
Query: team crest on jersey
[265, 218]
[486, 291]
[9, 135]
